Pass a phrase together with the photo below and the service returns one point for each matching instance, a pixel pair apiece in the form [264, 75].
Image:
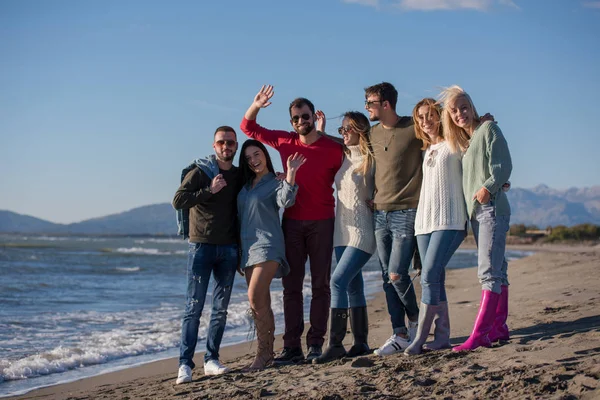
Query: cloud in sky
[433, 5]
[591, 4]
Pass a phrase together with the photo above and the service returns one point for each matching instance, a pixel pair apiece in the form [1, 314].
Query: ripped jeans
[396, 242]
[204, 259]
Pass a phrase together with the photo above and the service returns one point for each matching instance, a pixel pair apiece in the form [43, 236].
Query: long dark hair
[247, 174]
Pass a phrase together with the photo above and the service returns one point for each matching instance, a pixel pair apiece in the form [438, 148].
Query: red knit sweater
[324, 157]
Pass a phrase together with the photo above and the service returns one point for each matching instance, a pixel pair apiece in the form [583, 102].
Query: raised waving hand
[321, 120]
[294, 162]
[263, 97]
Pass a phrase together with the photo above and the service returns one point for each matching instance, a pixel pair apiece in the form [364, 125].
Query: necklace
[385, 148]
[392, 135]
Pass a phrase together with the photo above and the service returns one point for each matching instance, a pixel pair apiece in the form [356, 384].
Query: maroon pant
[312, 239]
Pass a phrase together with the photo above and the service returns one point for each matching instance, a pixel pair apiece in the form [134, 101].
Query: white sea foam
[142, 250]
[156, 240]
[128, 269]
[113, 336]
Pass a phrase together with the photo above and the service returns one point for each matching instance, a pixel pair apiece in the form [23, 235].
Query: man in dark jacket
[211, 200]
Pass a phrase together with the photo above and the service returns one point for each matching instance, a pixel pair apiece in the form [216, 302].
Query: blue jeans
[347, 284]
[490, 235]
[395, 237]
[204, 259]
[436, 249]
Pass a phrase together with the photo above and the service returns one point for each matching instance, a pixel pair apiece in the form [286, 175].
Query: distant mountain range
[541, 206]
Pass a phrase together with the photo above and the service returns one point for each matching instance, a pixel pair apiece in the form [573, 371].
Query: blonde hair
[360, 124]
[457, 137]
[434, 106]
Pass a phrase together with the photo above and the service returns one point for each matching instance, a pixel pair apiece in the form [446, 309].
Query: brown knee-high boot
[264, 323]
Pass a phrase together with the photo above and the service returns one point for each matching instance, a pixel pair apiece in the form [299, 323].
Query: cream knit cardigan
[441, 203]
[353, 218]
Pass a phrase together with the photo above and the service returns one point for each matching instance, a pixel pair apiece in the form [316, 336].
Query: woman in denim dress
[261, 237]
[486, 166]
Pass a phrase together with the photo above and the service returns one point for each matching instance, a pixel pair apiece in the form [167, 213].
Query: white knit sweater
[442, 203]
[353, 219]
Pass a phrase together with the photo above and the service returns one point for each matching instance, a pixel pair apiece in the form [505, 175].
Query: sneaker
[290, 355]
[394, 344]
[184, 375]
[412, 329]
[214, 367]
[314, 352]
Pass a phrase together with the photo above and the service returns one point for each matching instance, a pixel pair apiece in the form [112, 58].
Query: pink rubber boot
[483, 323]
[499, 328]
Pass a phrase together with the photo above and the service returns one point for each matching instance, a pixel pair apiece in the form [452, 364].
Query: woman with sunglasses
[440, 223]
[353, 239]
[486, 166]
[261, 236]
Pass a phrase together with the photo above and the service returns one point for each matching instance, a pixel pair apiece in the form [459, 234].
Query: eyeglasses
[344, 129]
[431, 159]
[369, 103]
[228, 143]
[296, 118]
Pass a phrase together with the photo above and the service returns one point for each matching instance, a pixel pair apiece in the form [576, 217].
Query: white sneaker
[395, 344]
[412, 329]
[214, 367]
[184, 375]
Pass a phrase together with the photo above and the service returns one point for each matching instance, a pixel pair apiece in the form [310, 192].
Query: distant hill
[13, 222]
[156, 219]
[541, 206]
[544, 206]
[153, 219]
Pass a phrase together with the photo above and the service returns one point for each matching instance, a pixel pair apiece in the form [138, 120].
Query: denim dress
[261, 236]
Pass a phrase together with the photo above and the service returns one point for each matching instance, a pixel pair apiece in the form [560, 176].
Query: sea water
[74, 307]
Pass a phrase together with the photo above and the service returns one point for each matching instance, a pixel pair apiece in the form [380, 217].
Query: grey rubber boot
[359, 322]
[426, 315]
[441, 332]
[337, 331]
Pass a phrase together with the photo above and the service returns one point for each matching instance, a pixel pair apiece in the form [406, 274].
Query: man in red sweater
[307, 225]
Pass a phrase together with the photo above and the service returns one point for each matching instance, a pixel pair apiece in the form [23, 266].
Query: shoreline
[463, 291]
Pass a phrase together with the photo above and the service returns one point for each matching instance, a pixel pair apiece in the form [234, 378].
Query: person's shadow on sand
[550, 330]
[562, 329]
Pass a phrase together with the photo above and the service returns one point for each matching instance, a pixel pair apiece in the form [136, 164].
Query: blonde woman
[486, 166]
[353, 239]
[440, 223]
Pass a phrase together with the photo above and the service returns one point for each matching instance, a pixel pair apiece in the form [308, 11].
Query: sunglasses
[369, 103]
[228, 143]
[344, 129]
[296, 118]
[431, 159]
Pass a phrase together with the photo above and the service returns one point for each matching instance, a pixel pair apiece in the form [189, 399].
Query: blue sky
[102, 103]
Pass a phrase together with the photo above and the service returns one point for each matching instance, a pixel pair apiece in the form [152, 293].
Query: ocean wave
[128, 269]
[165, 240]
[29, 245]
[143, 251]
[99, 338]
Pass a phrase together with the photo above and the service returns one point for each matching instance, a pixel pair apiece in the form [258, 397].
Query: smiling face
[351, 137]
[429, 121]
[302, 120]
[462, 113]
[257, 161]
[225, 145]
[373, 105]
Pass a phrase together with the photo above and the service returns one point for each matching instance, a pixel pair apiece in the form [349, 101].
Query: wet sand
[554, 351]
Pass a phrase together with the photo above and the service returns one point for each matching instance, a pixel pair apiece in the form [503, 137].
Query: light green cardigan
[487, 163]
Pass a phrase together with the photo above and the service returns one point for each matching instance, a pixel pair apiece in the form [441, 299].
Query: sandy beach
[554, 352]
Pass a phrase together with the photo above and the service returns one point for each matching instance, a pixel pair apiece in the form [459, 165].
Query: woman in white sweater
[440, 224]
[353, 239]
